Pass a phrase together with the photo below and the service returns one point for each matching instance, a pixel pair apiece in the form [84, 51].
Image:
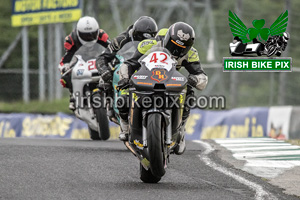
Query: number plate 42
[159, 59]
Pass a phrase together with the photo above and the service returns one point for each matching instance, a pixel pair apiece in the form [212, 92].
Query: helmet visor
[88, 37]
[177, 49]
[139, 36]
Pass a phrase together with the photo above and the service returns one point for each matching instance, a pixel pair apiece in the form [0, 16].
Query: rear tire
[147, 177]
[102, 120]
[155, 144]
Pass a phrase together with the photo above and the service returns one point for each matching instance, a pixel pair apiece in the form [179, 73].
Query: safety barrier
[46, 126]
[276, 122]
[281, 122]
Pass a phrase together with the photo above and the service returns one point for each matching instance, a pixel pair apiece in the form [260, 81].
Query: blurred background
[210, 21]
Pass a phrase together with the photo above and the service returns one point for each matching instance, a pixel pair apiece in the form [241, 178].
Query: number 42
[155, 59]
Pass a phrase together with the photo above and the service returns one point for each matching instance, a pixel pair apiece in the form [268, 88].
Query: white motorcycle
[89, 100]
[238, 48]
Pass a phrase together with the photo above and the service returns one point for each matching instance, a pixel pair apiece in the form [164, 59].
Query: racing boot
[180, 148]
[124, 130]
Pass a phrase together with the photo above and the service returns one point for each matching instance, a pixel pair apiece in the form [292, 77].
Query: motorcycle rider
[143, 28]
[278, 39]
[87, 32]
[179, 40]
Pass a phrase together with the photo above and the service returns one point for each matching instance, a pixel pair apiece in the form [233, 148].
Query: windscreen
[128, 49]
[90, 51]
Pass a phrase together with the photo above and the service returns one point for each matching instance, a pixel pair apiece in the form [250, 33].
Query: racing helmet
[179, 39]
[87, 30]
[144, 28]
[286, 36]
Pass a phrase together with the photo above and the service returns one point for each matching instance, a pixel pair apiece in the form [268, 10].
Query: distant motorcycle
[89, 100]
[274, 46]
[273, 49]
[237, 48]
[155, 130]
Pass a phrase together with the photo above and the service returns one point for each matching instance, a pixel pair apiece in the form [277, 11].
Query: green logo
[239, 29]
[257, 64]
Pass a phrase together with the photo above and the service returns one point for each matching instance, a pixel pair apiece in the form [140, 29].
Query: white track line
[260, 193]
[256, 144]
[244, 156]
[263, 148]
[248, 141]
[265, 158]
[245, 139]
[287, 164]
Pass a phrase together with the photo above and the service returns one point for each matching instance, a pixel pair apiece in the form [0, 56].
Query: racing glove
[198, 81]
[123, 84]
[106, 75]
[63, 68]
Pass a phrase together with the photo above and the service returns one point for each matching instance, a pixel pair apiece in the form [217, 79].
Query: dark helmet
[179, 39]
[145, 27]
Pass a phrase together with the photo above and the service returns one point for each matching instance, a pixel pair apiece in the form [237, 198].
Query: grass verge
[36, 106]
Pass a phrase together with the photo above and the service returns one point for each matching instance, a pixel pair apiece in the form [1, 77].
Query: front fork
[88, 94]
[168, 122]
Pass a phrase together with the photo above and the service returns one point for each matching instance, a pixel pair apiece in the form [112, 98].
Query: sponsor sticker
[140, 77]
[177, 78]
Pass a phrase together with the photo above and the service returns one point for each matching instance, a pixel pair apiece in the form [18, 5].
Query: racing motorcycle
[123, 54]
[238, 48]
[89, 100]
[273, 46]
[155, 128]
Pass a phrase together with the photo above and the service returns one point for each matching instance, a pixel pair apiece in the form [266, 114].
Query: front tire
[102, 121]
[271, 51]
[147, 177]
[94, 134]
[155, 144]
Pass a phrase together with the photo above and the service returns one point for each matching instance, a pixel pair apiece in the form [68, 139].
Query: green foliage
[269, 10]
[8, 34]
[294, 142]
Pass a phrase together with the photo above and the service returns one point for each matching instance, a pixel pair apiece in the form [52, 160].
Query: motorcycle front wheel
[102, 121]
[155, 144]
[271, 51]
[94, 134]
[147, 177]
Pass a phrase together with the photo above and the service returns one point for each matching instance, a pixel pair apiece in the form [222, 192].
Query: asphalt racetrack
[83, 169]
